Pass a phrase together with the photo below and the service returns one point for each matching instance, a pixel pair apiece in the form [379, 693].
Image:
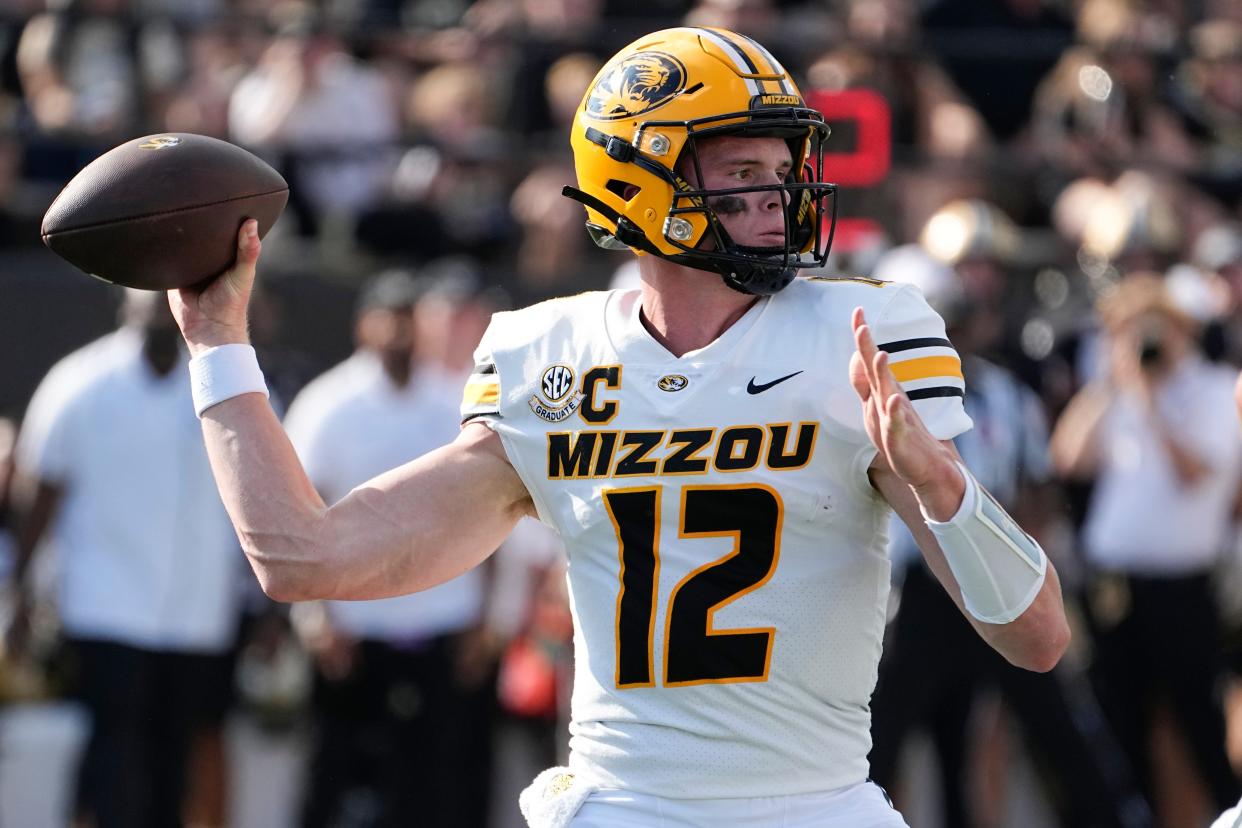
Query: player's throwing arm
[408, 529]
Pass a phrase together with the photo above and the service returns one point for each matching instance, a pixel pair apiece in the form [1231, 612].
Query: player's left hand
[893, 425]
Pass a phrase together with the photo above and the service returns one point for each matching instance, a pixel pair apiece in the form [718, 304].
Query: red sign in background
[867, 164]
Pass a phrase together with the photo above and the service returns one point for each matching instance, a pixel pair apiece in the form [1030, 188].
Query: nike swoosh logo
[751, 388]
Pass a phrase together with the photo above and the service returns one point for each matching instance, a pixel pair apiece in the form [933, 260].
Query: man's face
[751, 219]
[389, 332]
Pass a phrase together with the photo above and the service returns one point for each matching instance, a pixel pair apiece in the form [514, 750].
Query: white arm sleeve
[999, 568]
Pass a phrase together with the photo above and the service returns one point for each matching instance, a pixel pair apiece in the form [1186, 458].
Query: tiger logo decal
[640, 83]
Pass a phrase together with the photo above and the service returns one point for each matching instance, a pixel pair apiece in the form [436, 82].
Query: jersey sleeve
[480, 399]
[924, 361]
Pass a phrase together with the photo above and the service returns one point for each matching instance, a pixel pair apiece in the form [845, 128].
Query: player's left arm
[996, 574]
[1038, 636]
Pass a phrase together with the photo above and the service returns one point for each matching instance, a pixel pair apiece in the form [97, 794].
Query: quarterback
[719, 449]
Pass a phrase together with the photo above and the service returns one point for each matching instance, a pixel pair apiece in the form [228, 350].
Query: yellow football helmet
[640, 119]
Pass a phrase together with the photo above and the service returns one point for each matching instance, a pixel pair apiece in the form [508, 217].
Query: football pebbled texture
[163, 211]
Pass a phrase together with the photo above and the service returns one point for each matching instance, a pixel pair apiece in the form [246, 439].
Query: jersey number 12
[694, 652]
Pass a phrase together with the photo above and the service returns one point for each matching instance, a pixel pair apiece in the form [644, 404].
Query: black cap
[395, 289]
[460, 279]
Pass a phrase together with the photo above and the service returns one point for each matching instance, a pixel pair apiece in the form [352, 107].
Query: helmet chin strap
[754, 279]
[751, 278]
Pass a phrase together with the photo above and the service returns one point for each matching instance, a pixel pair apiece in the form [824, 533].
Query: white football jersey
[727, 565]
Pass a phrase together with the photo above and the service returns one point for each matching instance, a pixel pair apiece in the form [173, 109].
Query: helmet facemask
[756, 270]
[753, 270]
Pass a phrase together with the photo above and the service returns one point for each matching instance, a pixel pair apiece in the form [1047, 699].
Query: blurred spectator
[564, 86]
[1104, 105]
[452, 314]
[462, 167]
[935, 671]
[551, 253]
[79, 71]
[1136, 228]
[530, 611]
[1217, 253]
[1209, 97]
[451, 105]
[116, 478]
[403, 684]
[931, 119]
[997, 52]
[332, 117]
[213, 67]
[1159, 437]
[980, 243]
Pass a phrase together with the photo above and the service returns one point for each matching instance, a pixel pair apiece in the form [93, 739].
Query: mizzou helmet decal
[638, 84]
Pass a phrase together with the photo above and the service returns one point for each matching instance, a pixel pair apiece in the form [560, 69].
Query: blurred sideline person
[935, 669]
[1232, 818]
[402, 687]
[728, 580]
[1159, 437]
[529, 609]
[453, 311]
[114, 476]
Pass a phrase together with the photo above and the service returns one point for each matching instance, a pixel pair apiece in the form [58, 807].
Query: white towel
[553, 798]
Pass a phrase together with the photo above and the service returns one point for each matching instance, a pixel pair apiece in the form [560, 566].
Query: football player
[720, 450]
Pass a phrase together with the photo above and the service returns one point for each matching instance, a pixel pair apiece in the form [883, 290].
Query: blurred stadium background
[1044, 149]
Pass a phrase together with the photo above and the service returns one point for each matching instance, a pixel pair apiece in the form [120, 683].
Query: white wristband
[999, 568]
[224, 372]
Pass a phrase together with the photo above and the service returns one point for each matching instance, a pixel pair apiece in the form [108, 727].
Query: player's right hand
[215, 314]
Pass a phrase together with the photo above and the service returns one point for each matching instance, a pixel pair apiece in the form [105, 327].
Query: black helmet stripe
[777, 69]
[740, 59]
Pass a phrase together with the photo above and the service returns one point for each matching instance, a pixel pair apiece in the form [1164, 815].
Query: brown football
[163, 211]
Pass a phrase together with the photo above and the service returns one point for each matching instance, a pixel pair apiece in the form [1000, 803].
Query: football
[163, 211]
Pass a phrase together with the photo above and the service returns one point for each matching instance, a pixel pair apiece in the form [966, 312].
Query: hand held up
[897, 431]
[215, 313]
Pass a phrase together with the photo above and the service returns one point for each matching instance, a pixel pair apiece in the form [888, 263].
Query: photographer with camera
[1158, 438]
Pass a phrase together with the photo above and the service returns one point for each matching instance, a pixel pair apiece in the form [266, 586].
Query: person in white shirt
[935, 669]
[332, 118]
[1159, 437]
[719, 449]
[112, 474]
[401, 700]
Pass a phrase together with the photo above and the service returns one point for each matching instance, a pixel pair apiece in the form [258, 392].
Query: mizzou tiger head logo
[638, 84]
[156, 142]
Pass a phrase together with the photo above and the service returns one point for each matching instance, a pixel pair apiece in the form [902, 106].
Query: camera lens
[1151, 351]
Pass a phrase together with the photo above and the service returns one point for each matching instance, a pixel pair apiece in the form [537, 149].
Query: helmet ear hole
[623, 189]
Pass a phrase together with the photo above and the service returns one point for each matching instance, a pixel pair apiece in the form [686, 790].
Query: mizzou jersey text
[727, 562]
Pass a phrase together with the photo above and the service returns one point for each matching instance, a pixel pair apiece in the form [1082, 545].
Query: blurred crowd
[1062, 178]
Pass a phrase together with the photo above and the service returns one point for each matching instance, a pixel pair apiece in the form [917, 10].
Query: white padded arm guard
[999, 568]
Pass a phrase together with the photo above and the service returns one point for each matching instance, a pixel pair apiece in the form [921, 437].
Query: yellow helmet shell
[650, 96]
